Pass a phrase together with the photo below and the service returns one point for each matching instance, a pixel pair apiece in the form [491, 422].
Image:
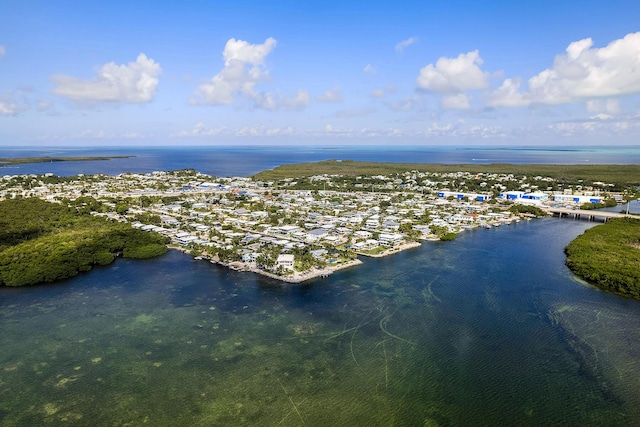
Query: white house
[285, 261]
[391, 239]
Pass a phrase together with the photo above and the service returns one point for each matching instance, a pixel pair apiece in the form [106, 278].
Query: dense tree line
[528, 209]
[608, 203]
[43, 242]
[608, 255]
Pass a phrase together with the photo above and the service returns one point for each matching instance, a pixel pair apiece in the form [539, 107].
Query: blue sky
[319, 72]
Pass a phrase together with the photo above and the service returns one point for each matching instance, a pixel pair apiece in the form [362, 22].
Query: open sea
[489, 329]
[225, 161]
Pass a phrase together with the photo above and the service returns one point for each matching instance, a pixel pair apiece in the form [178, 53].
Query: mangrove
[42, 242]
[608, 255]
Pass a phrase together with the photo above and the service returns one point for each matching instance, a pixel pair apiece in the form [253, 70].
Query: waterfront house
[285, 261]
[391, 239]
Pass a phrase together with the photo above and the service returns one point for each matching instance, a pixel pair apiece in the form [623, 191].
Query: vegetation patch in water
[608, 255]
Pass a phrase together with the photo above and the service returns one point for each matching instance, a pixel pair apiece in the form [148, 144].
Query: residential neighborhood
[295, 229]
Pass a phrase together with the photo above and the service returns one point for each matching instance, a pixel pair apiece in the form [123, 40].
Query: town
[297, 229]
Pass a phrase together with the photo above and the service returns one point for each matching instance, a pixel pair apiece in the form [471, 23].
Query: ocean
[226, 161]
[488, 329]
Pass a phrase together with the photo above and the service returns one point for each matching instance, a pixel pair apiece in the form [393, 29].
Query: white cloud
[406, 104]
[610, 107]
[382, 92]
[368, 69]
[455, 101]
[298, 103]
[602, 124]
[244, 67]
[401, 46]
[289, 130]
[3, 50]
[332, 95]
[10, 106]
[436, 130]
[200, 130]
[583, 72]
[454, 75]
[135, 82]
[508, 95]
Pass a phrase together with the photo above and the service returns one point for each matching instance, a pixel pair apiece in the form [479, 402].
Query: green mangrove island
[5, 161]
[608, 256]
[43, 242]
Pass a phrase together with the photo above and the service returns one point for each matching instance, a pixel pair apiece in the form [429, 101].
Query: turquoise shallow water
[490, 329]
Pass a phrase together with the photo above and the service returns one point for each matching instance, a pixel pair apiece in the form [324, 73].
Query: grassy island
[608, 256]
[43, 242]
[4, 161]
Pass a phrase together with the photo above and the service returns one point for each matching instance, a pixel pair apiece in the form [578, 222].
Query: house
[316, 234]
[250, 256]
[391, 239]
[366, 245]
[362, 234]
[285, 261]
[319, 253]
[373, 221]
[391, 225]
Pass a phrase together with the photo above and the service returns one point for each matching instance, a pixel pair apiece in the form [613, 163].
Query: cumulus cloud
[11, 103]
[3, 50]
[401, 46]
[332, 95]
[610, 107]
[135, 82]
[454, 75]
[245, 67]
[582, 72]
[298, 103]
[508, 95]
[455, 101]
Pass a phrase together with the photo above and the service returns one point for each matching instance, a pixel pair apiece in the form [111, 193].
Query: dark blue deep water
[488, 329]
[247, 160]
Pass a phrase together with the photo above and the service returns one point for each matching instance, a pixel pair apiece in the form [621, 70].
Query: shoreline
[299, 277]
[392, 251]
[296, 277]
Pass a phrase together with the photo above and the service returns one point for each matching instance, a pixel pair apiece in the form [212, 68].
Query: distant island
[6, 161]
[292, 223]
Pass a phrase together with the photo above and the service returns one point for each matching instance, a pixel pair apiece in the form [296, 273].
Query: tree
[122, 208]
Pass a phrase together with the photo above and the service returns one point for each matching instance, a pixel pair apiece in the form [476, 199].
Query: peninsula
[297, 222]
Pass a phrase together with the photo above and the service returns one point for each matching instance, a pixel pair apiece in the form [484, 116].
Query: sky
[82, 73]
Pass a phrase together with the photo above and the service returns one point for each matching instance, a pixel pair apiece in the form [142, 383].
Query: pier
[591, 215]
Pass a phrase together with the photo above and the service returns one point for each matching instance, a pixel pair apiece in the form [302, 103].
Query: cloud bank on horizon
[308, 85]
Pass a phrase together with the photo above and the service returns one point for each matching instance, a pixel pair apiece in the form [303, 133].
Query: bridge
[590, 214]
